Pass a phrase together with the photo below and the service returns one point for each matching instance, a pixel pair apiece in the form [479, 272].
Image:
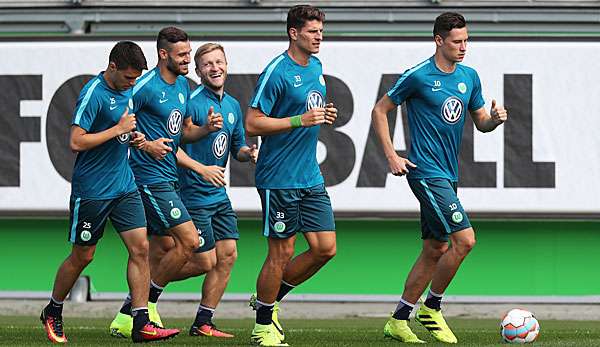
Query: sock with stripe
[155, 291]
[140, 317]
[204, 315]
[284, 289]
[54, 308]
[126, 308]
[434, 300]
[264, 313]
[403, 310]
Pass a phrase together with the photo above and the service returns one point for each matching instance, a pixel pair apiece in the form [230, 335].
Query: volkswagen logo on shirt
[314, 99]
[452, 109]
[174, 122]
[123, 138]
[219, 145]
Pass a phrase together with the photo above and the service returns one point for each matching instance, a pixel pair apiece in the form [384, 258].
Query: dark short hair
[300, 14]
[127, 54]
[446, 22]
[170, 35]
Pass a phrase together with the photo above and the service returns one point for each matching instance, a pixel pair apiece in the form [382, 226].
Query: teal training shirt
[436, 102]
[160, 108]
[285, 88]
[102, 172]
[214, 148]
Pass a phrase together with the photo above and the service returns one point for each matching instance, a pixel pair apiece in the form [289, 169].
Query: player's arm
[248, 153]
[259, 124]
[81, 140]
[398, 165]
[193, 132]
[485, 121]
[213, 174]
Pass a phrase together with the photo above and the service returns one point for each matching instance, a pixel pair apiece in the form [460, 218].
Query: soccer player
[208, 204]
[438, 92]
[103, 187]
[287, 110]
[160, 101]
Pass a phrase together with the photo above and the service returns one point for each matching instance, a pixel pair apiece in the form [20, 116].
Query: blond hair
[207, 48]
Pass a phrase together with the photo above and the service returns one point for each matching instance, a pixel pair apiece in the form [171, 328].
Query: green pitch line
[27, 331]
[373, 257]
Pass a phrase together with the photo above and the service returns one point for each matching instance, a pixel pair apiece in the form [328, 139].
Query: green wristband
[296, 121]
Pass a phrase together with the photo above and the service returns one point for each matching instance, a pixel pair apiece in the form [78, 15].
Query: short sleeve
[187, 94]
[404, 87]
[269, 89]
[87, 107]
[139, 99]
[239, 135]
[476, 101]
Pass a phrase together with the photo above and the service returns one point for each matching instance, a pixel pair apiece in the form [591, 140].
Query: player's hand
[126, 123]
[400, 166]
[213, 174]
[314, 116]
[330, 113]
[138, 140]
[252, 153]
[214, 121]
[498, 113]
[158, 149]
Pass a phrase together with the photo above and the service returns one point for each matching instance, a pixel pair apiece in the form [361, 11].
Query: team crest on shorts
[452, 109]
[175, 213]
[174, 122]
[200, 241]
[457, 217]
[219, 146]
[279, 226]
[85, 235]
[314, 99]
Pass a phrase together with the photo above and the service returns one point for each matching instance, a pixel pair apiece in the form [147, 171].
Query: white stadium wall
[544, 160]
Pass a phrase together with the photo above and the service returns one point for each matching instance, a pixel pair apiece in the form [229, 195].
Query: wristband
[296, 121]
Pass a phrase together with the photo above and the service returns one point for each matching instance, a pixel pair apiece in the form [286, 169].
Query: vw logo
[314, 99]
[174, 122]
[219, 146]
[123, 138]
[452, 109]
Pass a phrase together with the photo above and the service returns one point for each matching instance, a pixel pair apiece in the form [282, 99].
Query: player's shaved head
[446, 22]
[170, 35]
[300, 14]
[127, 54]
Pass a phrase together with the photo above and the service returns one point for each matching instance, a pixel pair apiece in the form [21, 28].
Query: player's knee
[437, 251]
[226, 261]
[188, 246]
[82, 259]
[325, 254]
[465, 246]
[140, 251]
[202, 265]
[281, 258]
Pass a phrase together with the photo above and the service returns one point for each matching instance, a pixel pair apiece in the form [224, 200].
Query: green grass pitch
[27, 331]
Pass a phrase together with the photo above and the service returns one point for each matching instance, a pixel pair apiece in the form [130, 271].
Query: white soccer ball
[519, 326]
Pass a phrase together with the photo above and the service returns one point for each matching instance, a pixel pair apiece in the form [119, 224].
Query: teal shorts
[214, 223]
[163, 206]
[88, 217]
[441, 212]
[288, 211]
